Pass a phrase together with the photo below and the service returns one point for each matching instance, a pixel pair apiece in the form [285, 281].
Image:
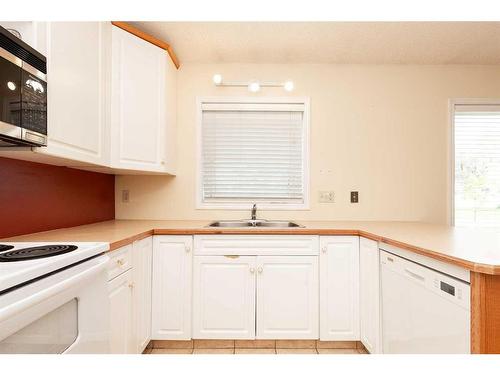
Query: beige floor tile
[338, 351]
[172, 351]
[296, 344]
[295, 351]
[213, 351]
[254, 351]
[173, 344]
[336, 344]
[214, 344]
[255, 344]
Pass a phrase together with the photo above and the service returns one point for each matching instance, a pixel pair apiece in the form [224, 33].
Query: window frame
[200, 204]
[451, 121]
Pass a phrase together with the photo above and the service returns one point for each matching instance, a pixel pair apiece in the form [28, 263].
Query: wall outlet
[326, 197]
[125, 196]
[354, 197]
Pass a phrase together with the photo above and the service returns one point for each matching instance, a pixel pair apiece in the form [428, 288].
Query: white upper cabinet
[369, 295]
[224, 297]
[172, 284]
[138, 104]
[112, 99]
[339, 288]
[287, 297]
[77, 64]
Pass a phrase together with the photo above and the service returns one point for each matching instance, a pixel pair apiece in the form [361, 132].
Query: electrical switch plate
[326, 197]
[354, 197]
[125, 196]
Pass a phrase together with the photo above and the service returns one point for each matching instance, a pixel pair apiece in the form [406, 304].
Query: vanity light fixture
[253, 86]
[217, 79]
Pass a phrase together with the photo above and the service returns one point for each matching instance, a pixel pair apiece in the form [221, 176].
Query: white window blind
[252, 152]
[477, 165]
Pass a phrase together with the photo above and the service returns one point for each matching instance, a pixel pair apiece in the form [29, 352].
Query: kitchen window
[476, 139]
[253, 151]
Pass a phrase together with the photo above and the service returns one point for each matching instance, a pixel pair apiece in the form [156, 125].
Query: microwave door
[10, 94]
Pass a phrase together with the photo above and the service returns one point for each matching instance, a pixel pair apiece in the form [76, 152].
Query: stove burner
[5, 247]
[36, 252]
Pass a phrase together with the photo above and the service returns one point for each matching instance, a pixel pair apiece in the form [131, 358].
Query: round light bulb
[217, 79]
[11, 85]
[288, 86]
[253, 86]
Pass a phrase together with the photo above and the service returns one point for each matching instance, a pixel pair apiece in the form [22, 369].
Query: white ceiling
[331, 42]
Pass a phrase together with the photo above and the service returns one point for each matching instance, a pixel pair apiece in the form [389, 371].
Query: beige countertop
[474, 249]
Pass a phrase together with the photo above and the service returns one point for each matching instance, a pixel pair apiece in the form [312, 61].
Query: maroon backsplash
[36, 197]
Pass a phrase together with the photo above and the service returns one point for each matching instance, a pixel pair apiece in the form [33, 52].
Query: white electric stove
[53, 297]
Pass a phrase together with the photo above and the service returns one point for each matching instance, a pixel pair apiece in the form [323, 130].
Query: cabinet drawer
[121, 261]
[256, 245]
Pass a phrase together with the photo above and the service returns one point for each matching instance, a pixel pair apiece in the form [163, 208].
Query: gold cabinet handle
[131, 285]
[120, 262]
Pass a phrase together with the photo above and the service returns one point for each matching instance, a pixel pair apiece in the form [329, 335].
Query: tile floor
[271, 347]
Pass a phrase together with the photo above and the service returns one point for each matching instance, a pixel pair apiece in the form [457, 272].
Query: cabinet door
[224, 297]
[172, 271]
[120, 310]
[287, 297]
[142, 269]
[77, 61]
[339, 288]
[138, 117]
[369, 294]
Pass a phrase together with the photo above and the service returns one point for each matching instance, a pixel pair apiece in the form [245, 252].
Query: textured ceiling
[331, 42]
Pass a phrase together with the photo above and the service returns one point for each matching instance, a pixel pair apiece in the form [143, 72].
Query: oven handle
[44, 294]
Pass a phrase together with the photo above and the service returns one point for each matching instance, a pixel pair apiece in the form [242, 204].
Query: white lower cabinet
[172, 286]
[369, 295]
[120, 310]
[224, 297]
[339, 288]
[129, 292]
[248, 288]
[142, 254]
[287, 297]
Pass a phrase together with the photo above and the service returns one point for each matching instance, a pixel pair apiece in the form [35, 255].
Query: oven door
[64, 313]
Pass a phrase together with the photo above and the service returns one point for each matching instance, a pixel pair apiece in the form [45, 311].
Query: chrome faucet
[254, 212]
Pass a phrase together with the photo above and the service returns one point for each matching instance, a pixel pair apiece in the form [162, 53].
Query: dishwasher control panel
[448, 287]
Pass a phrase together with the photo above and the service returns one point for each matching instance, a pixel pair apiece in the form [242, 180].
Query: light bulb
[11, 85]
[217, 79]
[288, 86]
[253, 86]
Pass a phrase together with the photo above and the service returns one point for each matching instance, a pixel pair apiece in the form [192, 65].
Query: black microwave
[23, 93]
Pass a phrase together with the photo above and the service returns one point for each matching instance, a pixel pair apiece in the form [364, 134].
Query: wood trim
[477, 313]
[148, 38]
[485, 313]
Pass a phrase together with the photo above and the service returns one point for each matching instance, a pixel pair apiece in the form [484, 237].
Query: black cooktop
[35, 252]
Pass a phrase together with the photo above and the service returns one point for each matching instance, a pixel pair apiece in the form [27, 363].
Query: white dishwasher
[423, 310]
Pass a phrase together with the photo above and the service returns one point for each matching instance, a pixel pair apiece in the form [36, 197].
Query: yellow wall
[379, 129]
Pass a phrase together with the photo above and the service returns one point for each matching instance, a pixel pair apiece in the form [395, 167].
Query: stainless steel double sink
[254, 224]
